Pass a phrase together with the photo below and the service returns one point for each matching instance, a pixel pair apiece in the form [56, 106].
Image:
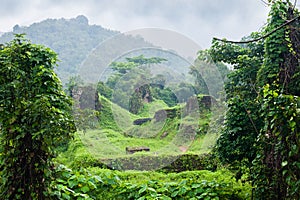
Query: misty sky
[199, 20]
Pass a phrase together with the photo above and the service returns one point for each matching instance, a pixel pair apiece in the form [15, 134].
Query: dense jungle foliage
[140, 134]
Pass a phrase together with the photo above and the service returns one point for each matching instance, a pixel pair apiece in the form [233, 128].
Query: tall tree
[242, 121]
[277, 164]
[35, 117]
[141, 60]
[271, 104]
[132, 75]
[124, 67]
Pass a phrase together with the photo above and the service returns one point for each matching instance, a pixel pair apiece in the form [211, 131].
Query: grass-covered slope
[167, 139]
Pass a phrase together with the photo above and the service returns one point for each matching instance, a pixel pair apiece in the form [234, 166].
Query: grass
[204, 143]
[169, 137]
[107, 145]
[149, 109]
[117, 118]
[111, 144]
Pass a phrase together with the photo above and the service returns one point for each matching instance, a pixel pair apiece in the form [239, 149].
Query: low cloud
[199, 20]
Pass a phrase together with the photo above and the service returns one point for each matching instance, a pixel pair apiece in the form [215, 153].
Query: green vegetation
[96, 183]
[35, 119]
[150, 134]
[261, 127]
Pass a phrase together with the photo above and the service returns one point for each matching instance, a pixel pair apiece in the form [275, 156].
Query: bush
[105, 184]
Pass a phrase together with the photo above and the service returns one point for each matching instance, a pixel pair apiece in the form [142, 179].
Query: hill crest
[73, 39]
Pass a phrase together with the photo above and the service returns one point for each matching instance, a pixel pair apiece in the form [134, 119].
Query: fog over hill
[73, 40]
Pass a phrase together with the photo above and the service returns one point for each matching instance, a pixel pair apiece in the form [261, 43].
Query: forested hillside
[73, 39]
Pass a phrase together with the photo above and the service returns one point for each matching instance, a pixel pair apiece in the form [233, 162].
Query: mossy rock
[141, 121]
[164, 163]
[170, 113]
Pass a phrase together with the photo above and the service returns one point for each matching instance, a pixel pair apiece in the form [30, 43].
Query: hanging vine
[274, 109]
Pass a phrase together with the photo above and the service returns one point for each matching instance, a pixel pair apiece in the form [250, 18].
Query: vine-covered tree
[262, 121]
[242, 120]
[277, 164]
[35, 117]
[128, 77]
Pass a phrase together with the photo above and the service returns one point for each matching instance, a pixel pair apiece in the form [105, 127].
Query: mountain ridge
[72, 39]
